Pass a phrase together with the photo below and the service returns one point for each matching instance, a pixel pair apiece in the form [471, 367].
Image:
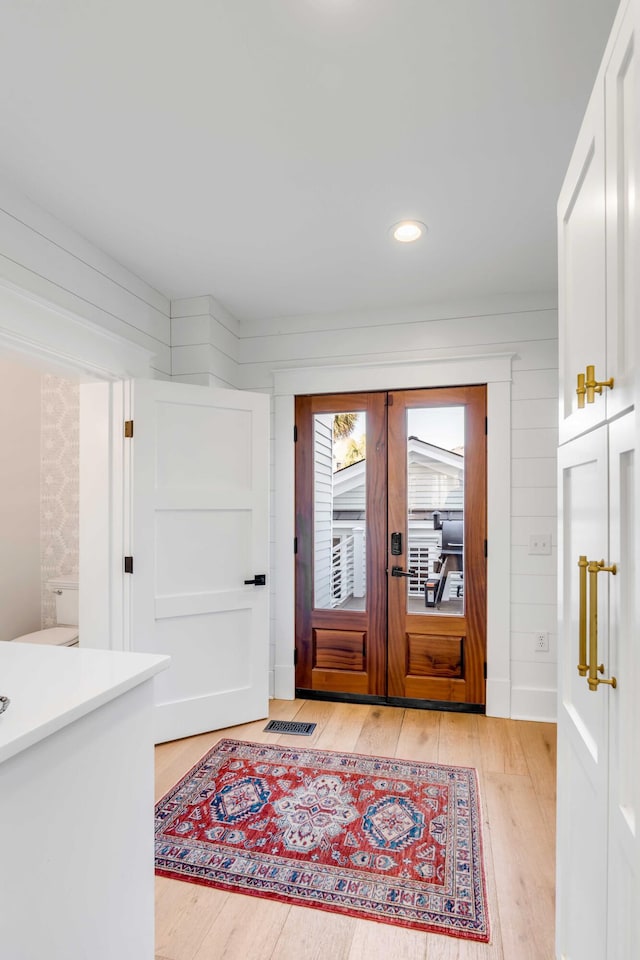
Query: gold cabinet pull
[593, 386]
[583, 563]
[588, 386]
[595, 567]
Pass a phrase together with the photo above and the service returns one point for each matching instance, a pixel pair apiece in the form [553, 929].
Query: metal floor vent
[290, 726]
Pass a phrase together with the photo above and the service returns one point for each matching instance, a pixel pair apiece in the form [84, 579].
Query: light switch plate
[540, 543]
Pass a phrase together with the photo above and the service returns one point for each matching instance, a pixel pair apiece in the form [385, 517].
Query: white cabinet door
[199, 522]
[624, 702]
[622, 109]
[598, 731]
[582, 714]
[581, 273]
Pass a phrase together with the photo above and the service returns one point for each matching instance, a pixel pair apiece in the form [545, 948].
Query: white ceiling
[259, 150]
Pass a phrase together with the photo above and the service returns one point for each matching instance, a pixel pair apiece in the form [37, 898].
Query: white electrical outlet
[541, 642]
[540, 543]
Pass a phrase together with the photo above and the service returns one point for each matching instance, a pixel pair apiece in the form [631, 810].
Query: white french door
[198, 499]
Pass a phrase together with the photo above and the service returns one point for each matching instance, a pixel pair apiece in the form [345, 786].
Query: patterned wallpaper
[59, 485]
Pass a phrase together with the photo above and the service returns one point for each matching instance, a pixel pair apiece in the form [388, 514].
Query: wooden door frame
[492, 369]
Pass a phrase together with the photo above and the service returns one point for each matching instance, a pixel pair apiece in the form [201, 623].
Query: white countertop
[50, 687]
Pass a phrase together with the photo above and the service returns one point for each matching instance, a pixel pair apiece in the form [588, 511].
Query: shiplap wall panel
[528, 564]
[46, 258]
[21, 208]
[490, 306]
[46, 290]
[206, 361]
[205, 343]
[529, 617]
[396, 338]
[529, 357]
[535, 384]
[534, 403]
[535, 673]
[533, 472]
[535, 355]
[193, 333]
[539, 444]
[533, 502]
[538, 589]
[523, 527]
[532, 413]
[205, 307]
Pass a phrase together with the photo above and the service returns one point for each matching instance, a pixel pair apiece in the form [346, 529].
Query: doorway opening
[40, 500]
[391, 547]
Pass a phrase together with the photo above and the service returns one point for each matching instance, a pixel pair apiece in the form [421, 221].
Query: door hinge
[485, 670]
[128, 564]
[295, 544]
[295, 656]
[486, 426]
[128, 428]
[486, 549]
[295, 434]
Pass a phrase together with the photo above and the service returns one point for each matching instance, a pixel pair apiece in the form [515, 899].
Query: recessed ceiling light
[407, 231]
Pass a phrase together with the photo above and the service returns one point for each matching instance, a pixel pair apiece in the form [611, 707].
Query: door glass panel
[339, 511]
[435, 510]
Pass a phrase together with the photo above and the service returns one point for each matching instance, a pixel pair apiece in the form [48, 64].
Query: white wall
[19, 499]
[525, 327]
[205, 343]
[41, 255]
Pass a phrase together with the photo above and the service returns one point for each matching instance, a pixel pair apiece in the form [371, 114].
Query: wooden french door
[391, 545]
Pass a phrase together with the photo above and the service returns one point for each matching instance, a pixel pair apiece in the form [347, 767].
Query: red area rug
[383, 839]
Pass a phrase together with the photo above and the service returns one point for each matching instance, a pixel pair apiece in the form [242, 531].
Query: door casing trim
[492, 369]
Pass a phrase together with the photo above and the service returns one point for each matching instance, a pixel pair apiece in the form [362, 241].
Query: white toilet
[65, 634]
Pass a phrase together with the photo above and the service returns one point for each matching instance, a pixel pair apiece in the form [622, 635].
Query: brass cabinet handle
[595, 567]
[594, 386]
[588, 386]
[582, 635]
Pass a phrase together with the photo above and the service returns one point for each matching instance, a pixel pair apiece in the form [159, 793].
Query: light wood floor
[516, 766]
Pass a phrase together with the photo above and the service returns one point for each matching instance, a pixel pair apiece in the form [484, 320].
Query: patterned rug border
[425, 926]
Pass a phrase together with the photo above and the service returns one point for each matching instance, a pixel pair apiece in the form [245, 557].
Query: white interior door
[624, 776]
[199, 531]
[582, 714]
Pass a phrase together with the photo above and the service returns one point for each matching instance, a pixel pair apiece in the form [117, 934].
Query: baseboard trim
[284, 682]
[498, 698]
[531, 703]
